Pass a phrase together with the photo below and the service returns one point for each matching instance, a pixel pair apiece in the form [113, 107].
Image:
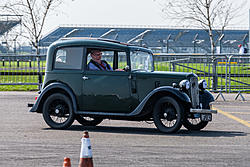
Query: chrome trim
[192, 110]
[194, 92]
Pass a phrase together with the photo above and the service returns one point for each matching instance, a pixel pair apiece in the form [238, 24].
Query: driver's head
[96, 55]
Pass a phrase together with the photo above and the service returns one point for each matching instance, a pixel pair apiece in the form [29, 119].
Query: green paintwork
[146, 82]
[106, 91]
[116, 91]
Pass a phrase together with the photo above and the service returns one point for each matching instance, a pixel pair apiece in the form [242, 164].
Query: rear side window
[69, 58]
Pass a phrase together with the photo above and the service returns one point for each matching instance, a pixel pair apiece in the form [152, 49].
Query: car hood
[166, 74]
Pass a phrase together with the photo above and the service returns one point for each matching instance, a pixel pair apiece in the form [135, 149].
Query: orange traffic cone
[86, 152]
[66, 162]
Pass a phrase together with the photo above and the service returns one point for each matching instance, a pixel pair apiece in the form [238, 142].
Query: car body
[131, 91]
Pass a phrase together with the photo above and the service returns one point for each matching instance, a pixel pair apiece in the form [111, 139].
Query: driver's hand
[119, 70]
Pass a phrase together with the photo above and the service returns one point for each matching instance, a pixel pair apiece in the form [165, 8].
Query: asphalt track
[25, 140]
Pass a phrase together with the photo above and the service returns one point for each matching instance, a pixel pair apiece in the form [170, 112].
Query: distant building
[159, 39]
[7, 23]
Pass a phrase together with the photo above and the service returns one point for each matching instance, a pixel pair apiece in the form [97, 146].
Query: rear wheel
[88, 121]
[168, 114]
[58, 112]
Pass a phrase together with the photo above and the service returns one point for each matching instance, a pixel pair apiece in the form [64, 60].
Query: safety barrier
[223, 72]
[22, 69]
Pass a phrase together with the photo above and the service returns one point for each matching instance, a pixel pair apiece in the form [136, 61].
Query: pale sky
[118, 12]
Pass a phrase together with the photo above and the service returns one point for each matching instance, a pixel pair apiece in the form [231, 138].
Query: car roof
[102, 42]
[95, 42]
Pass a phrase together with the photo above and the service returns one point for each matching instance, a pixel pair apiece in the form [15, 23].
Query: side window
[108, 56]
[69, 58]
[111, 60]
[122, 60]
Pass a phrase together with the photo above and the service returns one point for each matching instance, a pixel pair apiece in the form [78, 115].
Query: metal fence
[22, 69]
[223, 72]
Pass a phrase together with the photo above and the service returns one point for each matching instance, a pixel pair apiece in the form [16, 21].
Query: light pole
[194, 42]
[168, 38]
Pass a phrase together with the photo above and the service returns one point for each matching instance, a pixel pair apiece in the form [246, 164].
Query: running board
[104, 113]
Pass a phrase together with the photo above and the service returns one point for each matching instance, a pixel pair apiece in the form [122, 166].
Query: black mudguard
[36, 107]
[164, 89]
[205, 98]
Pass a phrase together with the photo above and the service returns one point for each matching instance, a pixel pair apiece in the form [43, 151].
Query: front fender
[44, 94]
[165, 89]
[205, 98]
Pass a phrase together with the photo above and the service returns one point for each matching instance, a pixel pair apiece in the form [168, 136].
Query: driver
[96, 62]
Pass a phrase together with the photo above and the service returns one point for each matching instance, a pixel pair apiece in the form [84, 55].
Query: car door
[108, 91]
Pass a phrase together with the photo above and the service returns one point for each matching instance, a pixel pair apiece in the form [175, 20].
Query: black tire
[194, 124]
[168, 114]
[58, 112]
[88, 121]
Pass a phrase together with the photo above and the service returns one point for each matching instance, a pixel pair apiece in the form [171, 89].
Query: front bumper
[203, 111]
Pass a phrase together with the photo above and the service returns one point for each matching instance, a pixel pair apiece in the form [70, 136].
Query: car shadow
[153, 131]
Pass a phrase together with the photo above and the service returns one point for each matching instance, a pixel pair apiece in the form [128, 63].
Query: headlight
[184, 84]
[202, 84]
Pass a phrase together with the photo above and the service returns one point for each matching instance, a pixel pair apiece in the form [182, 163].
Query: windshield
[141, 61]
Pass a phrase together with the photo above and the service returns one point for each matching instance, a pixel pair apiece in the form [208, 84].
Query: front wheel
[168, 114]
[194, 124]
[88, 121]
[58, 112]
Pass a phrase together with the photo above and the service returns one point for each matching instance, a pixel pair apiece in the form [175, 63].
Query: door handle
[85, 78]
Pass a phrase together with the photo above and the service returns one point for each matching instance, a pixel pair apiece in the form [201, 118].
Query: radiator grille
[194, 92]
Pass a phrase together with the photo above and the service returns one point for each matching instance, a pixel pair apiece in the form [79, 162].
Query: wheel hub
[169, 114]
[59, 110]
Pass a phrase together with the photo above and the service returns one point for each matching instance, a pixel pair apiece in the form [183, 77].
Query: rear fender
[37, 107]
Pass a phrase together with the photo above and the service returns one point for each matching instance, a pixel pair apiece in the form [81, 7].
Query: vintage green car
[130, 90]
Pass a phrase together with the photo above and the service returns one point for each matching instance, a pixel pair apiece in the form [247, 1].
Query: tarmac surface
[26, 140]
